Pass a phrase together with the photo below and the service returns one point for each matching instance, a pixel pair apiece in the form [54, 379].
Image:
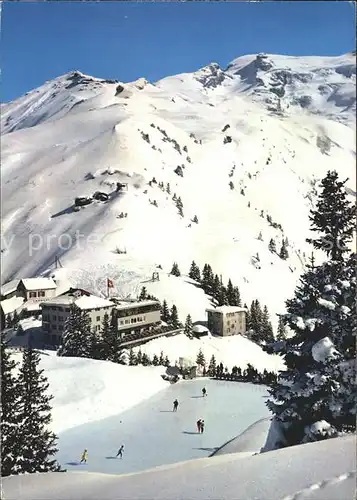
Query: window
[33, 294]
[98, 318]
[54, 318]
[41, 293]
[122, 322]
[67, 309]
[127, 321]
[60, 319]
[54, 327]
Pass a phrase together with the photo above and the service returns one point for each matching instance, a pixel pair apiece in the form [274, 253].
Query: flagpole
[107, 288]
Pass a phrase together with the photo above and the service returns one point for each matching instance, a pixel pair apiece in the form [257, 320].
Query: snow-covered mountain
[243, 147]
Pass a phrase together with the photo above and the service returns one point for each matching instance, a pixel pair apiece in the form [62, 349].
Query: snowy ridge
[322, 470]
[77, 135]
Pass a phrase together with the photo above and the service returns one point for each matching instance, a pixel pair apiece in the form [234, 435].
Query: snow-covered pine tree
[165, 313]
[155, 360]
[38, 443]
[145, 360]
[230, 293]
[222, 298]
[283, 254]
[194, 272]
[143, 294]
[162, 359]
[188, 331]
[10, 414]
[216, 288]
[132, 358]
[315, 397]
[139, 357]
[200, 359]
[266, 329]
[207, 279]
[166, 361]
[174, 320]
[237, 300]
[281, 333]
[212, 366]
[272, 246]
[168, 190]
[175, 270]
[76, 339]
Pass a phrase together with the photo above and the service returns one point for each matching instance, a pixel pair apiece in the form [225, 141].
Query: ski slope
[154, 435]
[77, 134]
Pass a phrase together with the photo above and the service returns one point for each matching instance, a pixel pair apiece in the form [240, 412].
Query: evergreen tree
[315, 396]
[200, 360]
[161, 359]
[145, 360]
[260, 236]
[10, 412]
[216, 288]
[333, 218]
[212, 366]
[188, 327]
[166, 361]
[175, 270]
[230, 293]
[272, 246]
[255, 321]
[195, 219]
[165, 313]
[174, 321]
[281, 334]
[95, 343]
[110, 340]
[222, 298]
[236, 300]
[266, 329]
[155, 360]
[194, 272]
[207, 279]
[283, 254]
[132, 358]
[76, 339]
[168, 190]
[143, 294]
[139, 357]
[38, 443]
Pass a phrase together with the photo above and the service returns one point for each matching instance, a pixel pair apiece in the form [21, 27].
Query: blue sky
[125, 40]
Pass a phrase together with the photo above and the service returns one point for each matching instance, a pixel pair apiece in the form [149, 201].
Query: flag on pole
[110, 283]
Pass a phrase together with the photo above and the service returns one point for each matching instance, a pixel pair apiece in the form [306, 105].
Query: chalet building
[56, 311]
[227, 320]
[133, 317]
[24, 296]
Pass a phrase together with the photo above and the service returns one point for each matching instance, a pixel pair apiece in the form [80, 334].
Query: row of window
[40, 293]
[139, 319]
[134, 311]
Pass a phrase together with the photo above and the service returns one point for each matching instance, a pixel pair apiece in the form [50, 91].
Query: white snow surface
[323, 350]
[87, 390]
[76, 135]
[316, 471]
[231, 351]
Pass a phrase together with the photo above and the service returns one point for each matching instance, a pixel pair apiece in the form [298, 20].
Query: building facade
[56, 311]
[36, 289]
[134, 317]
[227, 320]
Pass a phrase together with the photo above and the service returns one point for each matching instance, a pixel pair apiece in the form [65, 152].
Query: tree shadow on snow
[187, 432]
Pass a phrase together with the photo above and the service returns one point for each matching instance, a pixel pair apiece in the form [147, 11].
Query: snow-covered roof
[130, 305]
[84, 302]
[226, 309]
[9, 287]
[200, 329]
[39, 283]
[10, 305]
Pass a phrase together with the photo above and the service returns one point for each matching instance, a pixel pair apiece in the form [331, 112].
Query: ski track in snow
[306, 492]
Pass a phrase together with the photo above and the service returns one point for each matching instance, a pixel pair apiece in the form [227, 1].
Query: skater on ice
[202, 426]
[176, 403]
[120, 451]
[84, 457]
[199, 423]
[204, 392]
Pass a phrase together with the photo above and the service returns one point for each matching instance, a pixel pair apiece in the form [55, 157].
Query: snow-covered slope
[86, 390]
[270, 125]
[324, 470]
